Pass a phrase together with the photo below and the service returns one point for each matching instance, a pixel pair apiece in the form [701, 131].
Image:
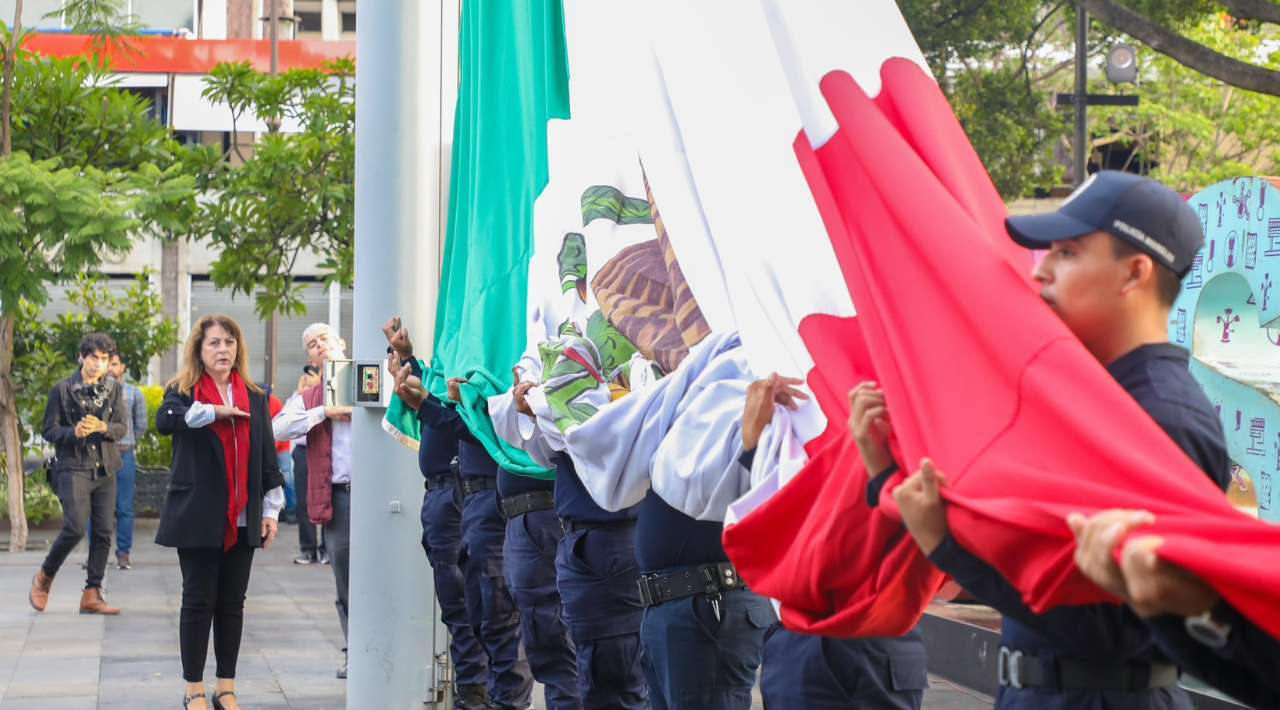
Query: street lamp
[1122, 64]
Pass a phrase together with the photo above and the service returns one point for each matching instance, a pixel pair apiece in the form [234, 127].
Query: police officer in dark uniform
[1118, 250]
[484, 532]
[596, 571]
[460, 582]
[533, 536]
[702, 628]
[442, 528]
[442, 541]
[819, 672]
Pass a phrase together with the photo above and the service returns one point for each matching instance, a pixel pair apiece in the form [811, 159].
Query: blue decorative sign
[1228, 316]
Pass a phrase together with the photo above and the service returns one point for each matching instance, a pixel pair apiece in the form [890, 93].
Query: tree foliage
[1192, 129]
[45, 350]
[295, 192]
[1001, 63]
[91, 171]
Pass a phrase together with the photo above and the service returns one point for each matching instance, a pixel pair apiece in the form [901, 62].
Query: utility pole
[273, 325]
[1082, 94]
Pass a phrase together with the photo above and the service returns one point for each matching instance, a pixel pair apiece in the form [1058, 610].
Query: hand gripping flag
[981, 376]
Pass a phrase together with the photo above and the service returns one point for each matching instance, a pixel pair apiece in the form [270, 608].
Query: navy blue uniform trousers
[700, 654]
[530, 556]
[442, 539]
[596, 571]
[493, 611]
[803, 672]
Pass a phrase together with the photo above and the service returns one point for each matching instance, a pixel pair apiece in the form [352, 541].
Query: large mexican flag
[514, 77]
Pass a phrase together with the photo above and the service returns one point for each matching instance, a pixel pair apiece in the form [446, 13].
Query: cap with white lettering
[1139, 210]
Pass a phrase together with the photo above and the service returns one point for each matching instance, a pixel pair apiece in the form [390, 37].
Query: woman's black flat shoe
[217, 699]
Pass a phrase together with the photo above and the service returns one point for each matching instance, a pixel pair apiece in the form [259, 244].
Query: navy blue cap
[1139, 210]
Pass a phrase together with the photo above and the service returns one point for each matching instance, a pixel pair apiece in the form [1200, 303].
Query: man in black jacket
[84, 419]
[1118, 250]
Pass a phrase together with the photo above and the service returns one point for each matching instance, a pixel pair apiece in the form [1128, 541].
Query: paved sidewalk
[61, 660]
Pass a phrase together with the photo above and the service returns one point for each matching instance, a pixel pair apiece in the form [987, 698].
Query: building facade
[182, 40]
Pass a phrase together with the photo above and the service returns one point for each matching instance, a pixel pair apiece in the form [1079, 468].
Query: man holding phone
[85, 420]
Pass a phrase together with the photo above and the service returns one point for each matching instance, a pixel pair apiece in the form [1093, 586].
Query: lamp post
[1122, 67]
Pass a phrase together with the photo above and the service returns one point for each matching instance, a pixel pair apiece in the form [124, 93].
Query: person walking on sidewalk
[136, 420]
[84, 419]
[225, 495]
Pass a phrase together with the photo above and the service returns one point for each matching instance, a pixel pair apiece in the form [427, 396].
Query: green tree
[84, 171]
[1194, 130]
[45, 350]
[295, 192]
[1001, 63]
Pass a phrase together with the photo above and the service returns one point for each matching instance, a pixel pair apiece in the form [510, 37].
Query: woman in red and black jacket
[224, 497]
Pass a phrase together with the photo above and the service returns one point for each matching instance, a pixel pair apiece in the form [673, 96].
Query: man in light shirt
[328, 434]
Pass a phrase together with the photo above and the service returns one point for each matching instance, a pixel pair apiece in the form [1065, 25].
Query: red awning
[174, 55]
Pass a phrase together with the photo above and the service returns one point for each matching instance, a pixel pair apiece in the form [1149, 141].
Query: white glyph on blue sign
[1228, 316]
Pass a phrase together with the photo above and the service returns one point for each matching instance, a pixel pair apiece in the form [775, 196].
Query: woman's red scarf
[234, 435]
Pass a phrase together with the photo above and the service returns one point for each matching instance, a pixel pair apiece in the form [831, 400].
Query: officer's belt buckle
[1009, 667]
[646, 593]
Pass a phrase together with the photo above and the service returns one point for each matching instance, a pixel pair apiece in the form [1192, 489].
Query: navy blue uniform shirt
[574, 503]
[436, 451]
[1158, 378]
[510, 484]
[667, 538]
[473, 460]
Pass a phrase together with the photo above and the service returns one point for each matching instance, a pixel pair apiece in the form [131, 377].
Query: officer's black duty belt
[478, 483]
[517, 505]
[1018, 670]
[444, 480]
[704, 579]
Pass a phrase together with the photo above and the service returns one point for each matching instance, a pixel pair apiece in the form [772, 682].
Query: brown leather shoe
[91, 602]
[40, 585]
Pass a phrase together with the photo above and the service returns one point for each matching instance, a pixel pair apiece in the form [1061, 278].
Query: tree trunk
[1192, 55]
[10, 439]
[6, 92]
[1253, 10]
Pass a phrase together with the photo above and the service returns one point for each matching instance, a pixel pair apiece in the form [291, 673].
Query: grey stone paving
[61, 660]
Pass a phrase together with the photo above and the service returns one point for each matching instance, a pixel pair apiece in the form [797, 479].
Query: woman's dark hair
[97, 343]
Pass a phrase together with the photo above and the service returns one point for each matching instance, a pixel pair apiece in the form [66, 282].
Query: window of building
[170, 15]
[309, 23]
[347, 12]
[310, 14]
[158, 97]
[165, 14]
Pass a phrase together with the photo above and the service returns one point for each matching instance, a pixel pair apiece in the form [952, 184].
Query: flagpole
[395, 633]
